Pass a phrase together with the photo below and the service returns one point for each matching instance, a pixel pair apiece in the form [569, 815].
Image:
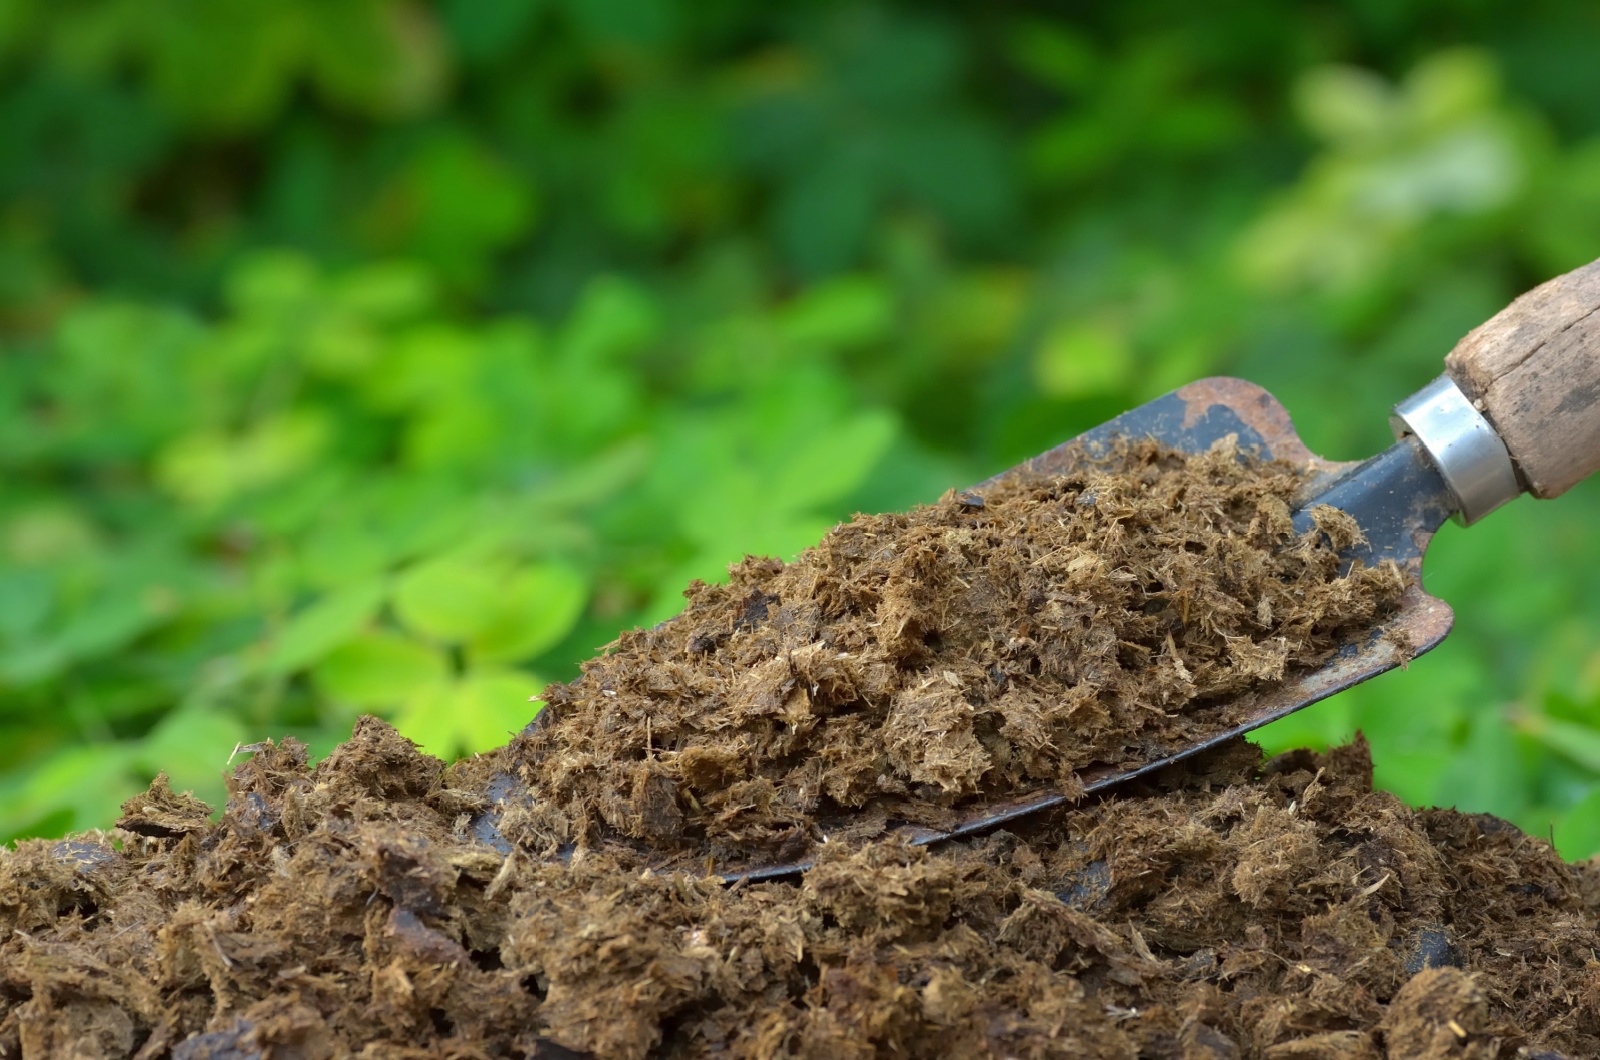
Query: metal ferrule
[1471, 458]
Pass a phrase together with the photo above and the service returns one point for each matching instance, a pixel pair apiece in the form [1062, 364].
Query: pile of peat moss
[385, 905]
[1224, 911]
[986, 646]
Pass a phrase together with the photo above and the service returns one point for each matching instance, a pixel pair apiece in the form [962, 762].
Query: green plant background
[376, 355]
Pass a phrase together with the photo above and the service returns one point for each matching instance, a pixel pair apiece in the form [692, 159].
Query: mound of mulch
[989, 645]
[1227, 909]
[384, 905]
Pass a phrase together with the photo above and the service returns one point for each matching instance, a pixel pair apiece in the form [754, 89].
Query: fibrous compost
[988, 645]
[1228, 909]
[535, 902]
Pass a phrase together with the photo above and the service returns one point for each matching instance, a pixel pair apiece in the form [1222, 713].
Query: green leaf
[1577, 833]
[825, 212]
[451, 437]
[383, 59]
[641, 23]
[1416, 745]
[598, 479]
[488, 31]
[48, 533]
[32, 661]
[844, 312]
[1571, 739]
[447, 599]
[981, 308]
[832, 462]
[192, 747]
[427, 718]
[479, 712]
[1567, 210]
[958, 169]
[419, 515]
[341, 346]
[1083, 358]
[379, 669]
[26, 597]
[106, 624]
[77, 787]
[1318, 726]
[385, 292]
[1452, 85]
[452, 204]
[1345, 103]
[1488, 776]
[426, 364]
[537, 608]
[207, 467]
[271, 283]
[613, 319]
[1055, 54]
[339, 550]
[493, 705]
[317, 629]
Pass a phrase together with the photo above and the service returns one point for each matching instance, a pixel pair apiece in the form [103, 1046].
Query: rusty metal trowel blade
[1398, 498]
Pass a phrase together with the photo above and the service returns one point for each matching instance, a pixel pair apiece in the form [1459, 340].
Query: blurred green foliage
[374, 355]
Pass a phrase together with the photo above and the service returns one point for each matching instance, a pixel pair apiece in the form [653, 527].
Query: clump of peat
[1221, 909]
[1225, 910]
[988, 645]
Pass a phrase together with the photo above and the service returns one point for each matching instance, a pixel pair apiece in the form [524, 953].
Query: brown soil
[1220, 910]
[1224, 910]
[982, 647]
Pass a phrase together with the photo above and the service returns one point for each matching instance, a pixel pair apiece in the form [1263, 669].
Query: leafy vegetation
[386, 356]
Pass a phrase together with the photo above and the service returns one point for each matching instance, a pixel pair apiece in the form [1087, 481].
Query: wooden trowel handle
[1533, 370]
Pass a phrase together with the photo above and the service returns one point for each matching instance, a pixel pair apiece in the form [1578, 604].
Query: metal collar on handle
[1470, 456]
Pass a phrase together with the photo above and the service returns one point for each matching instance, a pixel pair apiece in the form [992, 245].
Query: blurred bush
[374, 355]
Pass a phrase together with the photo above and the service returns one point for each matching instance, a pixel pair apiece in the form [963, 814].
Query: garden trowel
[1516, 410]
